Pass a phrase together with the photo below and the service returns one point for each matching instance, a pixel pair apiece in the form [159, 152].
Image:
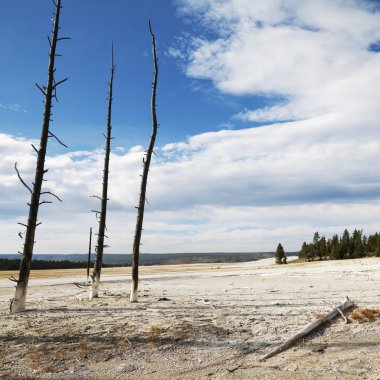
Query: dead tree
[144, 180]
[347, 303]
[101, 215]
[36, 191]
[89, 257]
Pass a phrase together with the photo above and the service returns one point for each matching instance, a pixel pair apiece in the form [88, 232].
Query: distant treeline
[114, 260]
[14, 264]
[341, 247]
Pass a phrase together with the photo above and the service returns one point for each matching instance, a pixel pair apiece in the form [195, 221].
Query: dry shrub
[83, 348]
[365, 315]
[156, 332]
[128, 329]
[185, 330]
[40, 330]
[50, 368]
[33, 354]
[69, 330]
[34, 359]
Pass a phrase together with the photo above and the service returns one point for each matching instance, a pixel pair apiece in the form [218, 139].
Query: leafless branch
[49, 192]
[51, 134]
[22, 181]
[40, 88]
[61, 81]
[44, 202]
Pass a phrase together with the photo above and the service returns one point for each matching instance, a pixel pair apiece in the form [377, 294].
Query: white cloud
[12, 107]
[312, 53]
[229, 190]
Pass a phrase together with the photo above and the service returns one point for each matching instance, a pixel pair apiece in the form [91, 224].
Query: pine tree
[377, 249]
[365, 245]
[314, 247]
[336, 250]
[345, 245]
[304, 251]
[280, 255]
[322, 248]
[357, 244]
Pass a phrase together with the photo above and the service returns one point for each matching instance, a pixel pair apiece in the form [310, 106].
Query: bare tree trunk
[144, 180]
[18, 302]
[89, 257]
[94, 290]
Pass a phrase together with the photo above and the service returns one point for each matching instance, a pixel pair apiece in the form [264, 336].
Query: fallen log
[337, 311]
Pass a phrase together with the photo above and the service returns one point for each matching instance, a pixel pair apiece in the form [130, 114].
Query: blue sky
[268, 111]
[186, 106]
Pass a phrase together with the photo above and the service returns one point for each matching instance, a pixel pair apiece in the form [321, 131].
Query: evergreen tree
[365, 245]
[357, 244]
[322, 248]
[377, 249]
[345, 245]
[314, 251]
[304, 251]
[336, 250]
[328, 248]
[372, 243]
[280, 255]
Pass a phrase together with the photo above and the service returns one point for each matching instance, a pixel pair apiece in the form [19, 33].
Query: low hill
[154, 259]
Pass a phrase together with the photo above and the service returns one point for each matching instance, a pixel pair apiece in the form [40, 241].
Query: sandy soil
[194, 322]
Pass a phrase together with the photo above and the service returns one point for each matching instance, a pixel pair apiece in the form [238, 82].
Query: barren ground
[205, 321]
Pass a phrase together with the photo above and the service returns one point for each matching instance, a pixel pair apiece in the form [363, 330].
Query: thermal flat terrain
[200, 321]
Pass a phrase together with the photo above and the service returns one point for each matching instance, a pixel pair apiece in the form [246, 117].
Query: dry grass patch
[83, 346]
[365, 315]
[156, 331]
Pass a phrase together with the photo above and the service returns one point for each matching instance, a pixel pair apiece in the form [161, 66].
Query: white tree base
[134, 294]
[18, 302]
[94, 289]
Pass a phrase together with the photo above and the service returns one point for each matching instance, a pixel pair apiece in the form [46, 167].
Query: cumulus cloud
[315, 54]
[228, 190]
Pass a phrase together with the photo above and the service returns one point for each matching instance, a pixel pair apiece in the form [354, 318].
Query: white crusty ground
[204, 321]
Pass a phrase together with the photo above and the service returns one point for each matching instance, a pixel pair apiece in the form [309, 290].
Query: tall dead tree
[144, 179]
[36, 191]
[89, 257]
[101, 215]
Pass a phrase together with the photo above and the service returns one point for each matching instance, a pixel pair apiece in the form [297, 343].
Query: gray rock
[127, 368]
